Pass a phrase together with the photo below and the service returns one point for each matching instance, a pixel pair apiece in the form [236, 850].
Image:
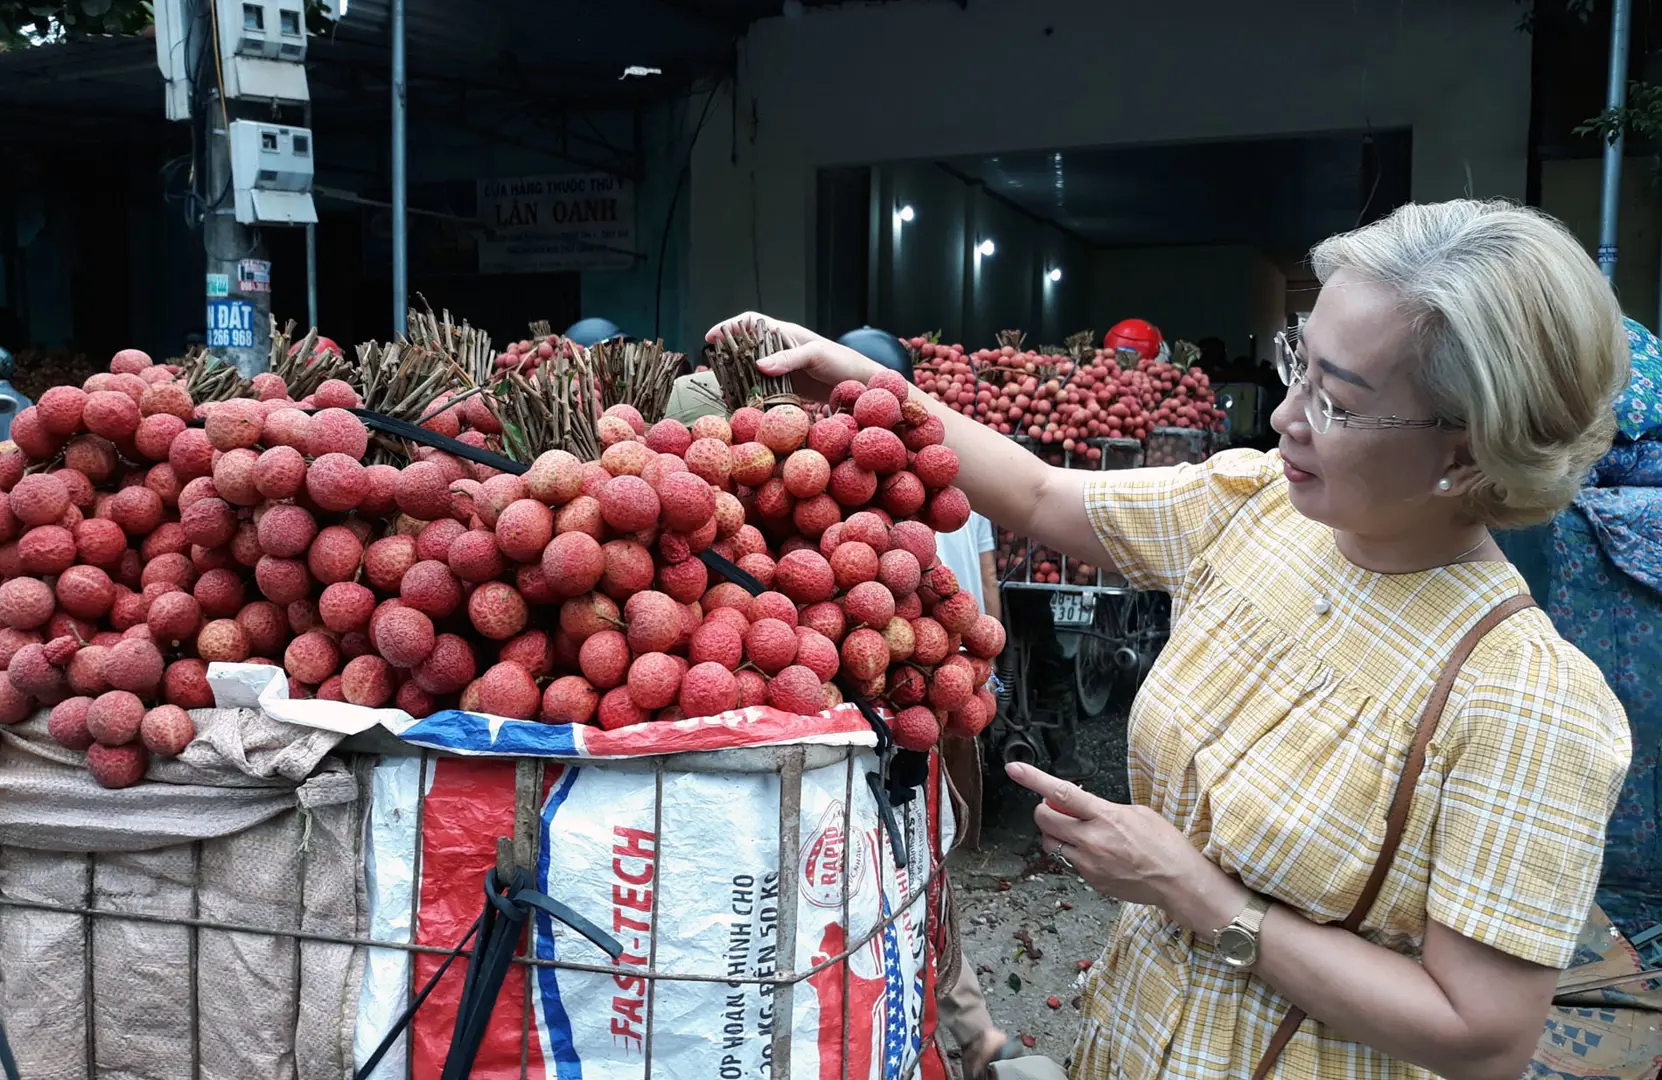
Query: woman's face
[1356, 346]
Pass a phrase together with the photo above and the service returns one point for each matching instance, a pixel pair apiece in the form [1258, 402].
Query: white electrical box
[173, 46]
[271, 173]
[263, 44]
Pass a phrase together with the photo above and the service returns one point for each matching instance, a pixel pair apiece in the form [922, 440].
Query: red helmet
[1136, 334]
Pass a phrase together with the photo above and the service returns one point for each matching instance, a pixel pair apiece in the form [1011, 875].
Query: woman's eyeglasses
[1319, 409]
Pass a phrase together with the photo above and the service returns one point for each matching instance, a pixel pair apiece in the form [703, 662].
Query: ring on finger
[1056, 853]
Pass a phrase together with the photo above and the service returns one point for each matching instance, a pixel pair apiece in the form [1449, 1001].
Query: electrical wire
[219, 70]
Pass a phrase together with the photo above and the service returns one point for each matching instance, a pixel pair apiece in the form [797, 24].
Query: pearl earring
[1445, 484]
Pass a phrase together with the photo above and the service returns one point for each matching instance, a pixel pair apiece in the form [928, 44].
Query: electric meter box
[271, 173]
[264, 46]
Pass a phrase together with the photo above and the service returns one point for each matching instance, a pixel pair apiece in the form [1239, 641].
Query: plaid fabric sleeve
[1534, 766]
[1154, 522]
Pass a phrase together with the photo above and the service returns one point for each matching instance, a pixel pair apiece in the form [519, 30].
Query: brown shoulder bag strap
[1400, 801]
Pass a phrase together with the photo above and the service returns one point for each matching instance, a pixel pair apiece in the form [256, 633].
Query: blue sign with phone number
[230, 324]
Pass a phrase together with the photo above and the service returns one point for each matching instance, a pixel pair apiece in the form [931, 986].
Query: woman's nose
[1288, 418]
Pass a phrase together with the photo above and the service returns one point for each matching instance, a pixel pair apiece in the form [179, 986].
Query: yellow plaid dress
[1272, 731]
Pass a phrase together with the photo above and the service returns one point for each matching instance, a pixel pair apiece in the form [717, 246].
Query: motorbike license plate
[1072, 608]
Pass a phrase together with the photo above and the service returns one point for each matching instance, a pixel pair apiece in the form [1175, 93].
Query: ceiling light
[987, 247]
[906, 213]
[1055, 274]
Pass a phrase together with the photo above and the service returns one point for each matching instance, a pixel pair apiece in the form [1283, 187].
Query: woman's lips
[1296, 475]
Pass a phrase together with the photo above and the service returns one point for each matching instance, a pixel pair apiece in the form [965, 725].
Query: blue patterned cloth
[1597, 569]
[1639, 409]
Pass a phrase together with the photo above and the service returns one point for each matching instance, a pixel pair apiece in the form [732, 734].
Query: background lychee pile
[1058, 399]
[136, 549]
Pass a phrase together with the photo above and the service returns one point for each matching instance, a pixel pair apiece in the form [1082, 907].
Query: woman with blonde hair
[1343, 620]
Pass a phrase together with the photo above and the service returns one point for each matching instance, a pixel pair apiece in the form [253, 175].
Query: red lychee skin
[266, 626]
[209, 522]
[816, 652]
[569, 700]
[279, 473]
[448, 668]
[612, 430]
[336, 431]
[618, 711]
[604, 659]
[532, 650]
[770, 644]
[898, 570]
[117, 766]
[759, 566]
[931, 642]
[654, 680]
[386, 560]
[39, 499]
[806, 473]
[725, 594]
[957, 613]
[916, 729]
[337, 482]
[222, 641]
[630, 415]
[714, 427]
[112, 414]
[367, 680]
[941, 581]
[865, 654]
[897, 634]
[742, 426]
[434, 540]
[138, 510]
[92, 457]
[113, 718]
[474, 557]
[951, 687]
[524, 529]
[708, 689]
[166, 399]
[533, 584]
[654, 621]
[750, 464]
[831, 439]
[497, 610]
[985, 637]
[330, 690]
[85, 592]
[684, 582]
[853, 562]
[335, 555]
[814, 515]
[826, 618]
[581, 617]
[936, 466]
[947, 510]
[302, 617]
[234, 423]
[784, 428]
[312, 657]
[716, 643]
[661, 466]
[166, 730]
[907, 686]
[13, 640]
[628, 569]
[432, 589]
[233, 477]
[629, 504]
[869, 604]
[878, 450]
[573, 563]
[335, 394]
[845, 394]
[581, 514]
[30, 672]
[892, 381]
[669, 436]
[191, 455]
[60, 408]
[404, 637]
[25, 603]
[68, 723]
[796, 689]
[508, 690]
[851, 485]
[186, 685]
[345, 606]
[440, 419]
[805, 576]
[380, 491]
[969, 721]
[282, 581]
[46, 550]
[423, 491]
[687, 503]
[727, 616]
[773, 605]
[85, 674]
[555, 478]
[710, 460]
[500, 492]
[901, 494]
[134, 665]
[627, 458]
[174, 618]
[877, 408]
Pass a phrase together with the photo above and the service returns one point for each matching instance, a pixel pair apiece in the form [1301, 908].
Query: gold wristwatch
[1237, 943]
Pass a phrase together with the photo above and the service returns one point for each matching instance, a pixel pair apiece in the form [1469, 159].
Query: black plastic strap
[403, 429]
[8, 1064]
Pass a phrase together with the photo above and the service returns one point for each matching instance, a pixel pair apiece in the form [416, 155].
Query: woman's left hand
[1127, 852]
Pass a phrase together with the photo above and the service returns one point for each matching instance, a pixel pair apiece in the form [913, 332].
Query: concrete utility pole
[239, 274]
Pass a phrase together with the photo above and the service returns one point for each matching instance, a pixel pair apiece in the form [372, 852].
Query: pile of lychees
[136, 549]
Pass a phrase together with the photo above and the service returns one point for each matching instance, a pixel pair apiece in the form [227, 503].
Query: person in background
[968, 553]
[12, 400]
[696, 393]
[592, 331]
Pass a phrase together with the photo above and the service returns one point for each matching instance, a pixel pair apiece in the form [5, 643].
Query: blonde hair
[1520, 340]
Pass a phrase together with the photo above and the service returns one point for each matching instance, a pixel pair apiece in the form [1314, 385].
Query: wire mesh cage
[1180, 446]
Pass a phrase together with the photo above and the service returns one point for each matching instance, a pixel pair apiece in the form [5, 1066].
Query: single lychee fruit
[654, 680]
[852, 485]
[936, 466]
[224, 641]
[807, 472]
[573, 563]
[869, 604]
[95, 459]
[985, 637]
[878, 450]
[581, 617]
[46, 550]
[941, 581]
[68, 723]
[750, 464]
[112, 414]
[422, 491]
[117, 766]
[784, 429]
[628, 458]
[234, 423]
[432, 589]
[796, 689]
[817, 652]
[629, 504]
[174, 618]
[825, 617]
[814, 515]
[523, 529]
[336, 431]
[865, 654]
[113, 718]
[916, 729]
[805, 576]
[654, 620]
[773, 605]
[774, 503]
[947, 511]
[25, 603]
[951, 686]
[387, 560]
[404, 637]
[901, 494]
[335, 555]
[555, 478]
[877, 408]
[569, 700]
[617, 710]
[166, 730]
[604, 659]
[853, 562]
[497, 610]
[345, 606]
[134, 665]
[897, 633]
[669, 436]
[687, 502]
[39, 499]
[907, 686]
[957, 613]
[713, 426]
[830, 438]
[708, 689]
[684, 582]
[337, 482]
[448, 668]
[336, 394]
[931, 642]
[312, 657]
[717, 642]
[474, 556]
[972, 718]
[759, 566]
[186, 685]
[898, 570]
[59, 410]
[367, 680]
[770, 644]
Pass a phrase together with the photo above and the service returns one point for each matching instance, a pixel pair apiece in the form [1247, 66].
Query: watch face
[1237, 947]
